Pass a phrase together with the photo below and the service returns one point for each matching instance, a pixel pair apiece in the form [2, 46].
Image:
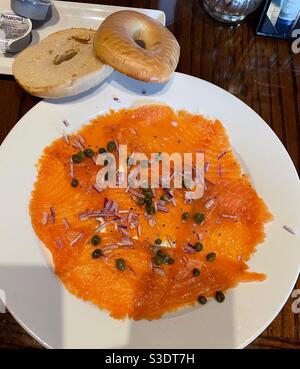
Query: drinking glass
[230, 11]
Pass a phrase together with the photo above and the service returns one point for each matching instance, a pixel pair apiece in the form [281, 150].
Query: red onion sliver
[84, 216]
[169, 192]
[161, 203]
[170, 242]
[150, 265]
[188, 248]
[104, 225]
[133, 220]
[228, 216]
[109, 248]
[114, 207]
[220, 170]
[174, 123]
[209, 203]
[124, 232]
[71, 168]
[187, 251]
[81, 139]
[66, 138]
[162, 208]
[126, 239]
[74, 144]
[107, 253]
[130, 215]
[125, 242]
[173, 201]
[151, 222]
[66, 223]
[52, 215]
[123, 211]
[59, 243]
[77, 144]
[200, 236]
[206, 167]
[136, 193]
[132, 271]
[159, 271]
[221, 155]
[44, 220]
[112, 246]
[116, 217]
[94, 214]
[139, 230]
[290, 229]
[107, 204]
[76, 239]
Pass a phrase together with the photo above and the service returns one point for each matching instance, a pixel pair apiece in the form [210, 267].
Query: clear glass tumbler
[230, 11]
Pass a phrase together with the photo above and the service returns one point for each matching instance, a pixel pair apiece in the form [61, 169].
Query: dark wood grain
[263, 72]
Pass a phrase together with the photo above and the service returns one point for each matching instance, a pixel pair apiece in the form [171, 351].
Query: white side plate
[66, 15]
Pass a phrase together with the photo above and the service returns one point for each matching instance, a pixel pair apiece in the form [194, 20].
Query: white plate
[66, 15]
[58, 319]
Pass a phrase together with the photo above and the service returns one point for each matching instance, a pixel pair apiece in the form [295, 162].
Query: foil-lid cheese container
[15, 32]
[33, 9]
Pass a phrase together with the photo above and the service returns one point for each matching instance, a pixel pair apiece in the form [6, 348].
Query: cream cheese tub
[15, 32]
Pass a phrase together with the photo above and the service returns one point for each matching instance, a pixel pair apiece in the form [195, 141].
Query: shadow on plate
[124, 83]
[37, 281]
[48, 316]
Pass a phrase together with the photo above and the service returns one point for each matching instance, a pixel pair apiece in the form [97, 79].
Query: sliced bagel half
[63, 64]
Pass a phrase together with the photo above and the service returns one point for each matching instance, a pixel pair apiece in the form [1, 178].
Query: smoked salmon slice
[143, 265]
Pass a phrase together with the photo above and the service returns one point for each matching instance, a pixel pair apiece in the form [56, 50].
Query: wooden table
[263, 72]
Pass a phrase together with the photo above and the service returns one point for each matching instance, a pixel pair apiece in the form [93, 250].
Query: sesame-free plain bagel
[138, 46]
[62, 64]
